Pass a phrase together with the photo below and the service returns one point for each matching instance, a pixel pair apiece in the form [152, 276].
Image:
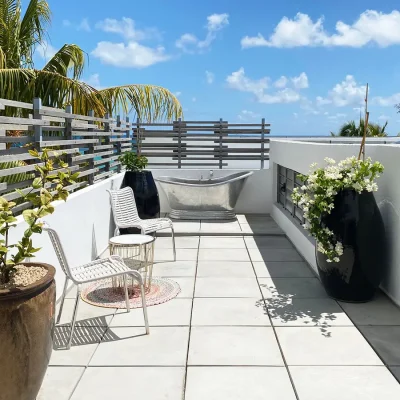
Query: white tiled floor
[251, 322]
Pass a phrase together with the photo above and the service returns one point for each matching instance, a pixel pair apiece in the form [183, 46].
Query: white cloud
[84, 25]
[131, 55]
[239, 81]
[246, 115]
[190, 43]
[383, 117]
[66, 22]
[46, 50]
[210, 77]
[194, 99]
[345, 93]
[371, 27]
[337, 116]
[94, 81]
[296, 115]
[281, 82]
[389, 101]
[126, 27]
[301, 81]
[177, 94]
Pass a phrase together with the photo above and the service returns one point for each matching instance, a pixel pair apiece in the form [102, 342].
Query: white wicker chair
[93, 271]
[126, 215]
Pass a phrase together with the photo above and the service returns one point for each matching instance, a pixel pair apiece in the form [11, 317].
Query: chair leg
[173, 241]
[64, 293]
[78, 296]
[128, 305]
[136, 275]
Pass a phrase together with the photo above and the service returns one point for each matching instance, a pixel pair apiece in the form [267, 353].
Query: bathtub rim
[184, 181]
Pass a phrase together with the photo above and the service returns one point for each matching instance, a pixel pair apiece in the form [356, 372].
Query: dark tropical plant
[351, 129]
[58, 82]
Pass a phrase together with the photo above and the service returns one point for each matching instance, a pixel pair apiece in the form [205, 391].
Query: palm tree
[350, 129]
[58, 83]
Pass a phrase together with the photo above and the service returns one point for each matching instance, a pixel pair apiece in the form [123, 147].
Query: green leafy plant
[317, 196]
[52, 177]
[133, 161]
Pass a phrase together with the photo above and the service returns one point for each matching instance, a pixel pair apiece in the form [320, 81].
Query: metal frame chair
[126, 215]
[90, 272]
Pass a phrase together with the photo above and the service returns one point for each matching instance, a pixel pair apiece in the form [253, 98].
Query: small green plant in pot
[142, 183]
[27, 290]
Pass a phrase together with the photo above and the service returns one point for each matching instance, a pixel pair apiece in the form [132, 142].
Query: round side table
[137, 252]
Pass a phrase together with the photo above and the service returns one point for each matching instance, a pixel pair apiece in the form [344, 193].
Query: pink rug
[102, 294]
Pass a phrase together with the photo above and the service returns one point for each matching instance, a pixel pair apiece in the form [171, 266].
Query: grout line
[274, 329]
[190, 322]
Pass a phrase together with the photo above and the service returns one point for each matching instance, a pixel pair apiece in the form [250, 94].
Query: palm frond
[149, 102]
[69, 57]
[33, 29]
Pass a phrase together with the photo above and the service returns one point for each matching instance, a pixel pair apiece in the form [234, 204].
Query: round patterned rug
[102, 294]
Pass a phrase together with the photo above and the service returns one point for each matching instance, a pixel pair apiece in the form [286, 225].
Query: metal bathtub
[203, 198]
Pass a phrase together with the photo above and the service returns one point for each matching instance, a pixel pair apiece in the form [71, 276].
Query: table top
[131, 240]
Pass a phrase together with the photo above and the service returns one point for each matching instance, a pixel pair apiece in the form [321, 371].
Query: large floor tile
[131, 383]
[217, 242]
[181, 242]
[239, 311]
[187, 287]
[268, 242]
[248, 218]
[227, 287]
[175, 312]
[282, 269]
[238, 383]
[380, 311]
[162, 347]
[223, 255]
[187, 227]
[274, 255]
[385, 340]
[335, 346]
[220, 227]
[84, 344]
[268, 227]
[175, 268]
[224, 345]
[345, 383]
[234, 269]
[181, 255]
[88, 315]
[307, 312]
[59, 382]
[282, 289]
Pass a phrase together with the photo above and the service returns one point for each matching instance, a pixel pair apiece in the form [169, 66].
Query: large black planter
[145, 192]
[357, 223]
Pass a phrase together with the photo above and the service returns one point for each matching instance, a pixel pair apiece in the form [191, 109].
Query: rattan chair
[126, 215]
[110, 267]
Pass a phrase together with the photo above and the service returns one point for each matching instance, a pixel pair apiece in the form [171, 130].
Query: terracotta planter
[26, 336]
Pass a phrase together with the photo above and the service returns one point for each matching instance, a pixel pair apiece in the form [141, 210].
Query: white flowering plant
[317, 196]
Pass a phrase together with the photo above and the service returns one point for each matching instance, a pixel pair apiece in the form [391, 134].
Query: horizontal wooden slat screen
[92, 144]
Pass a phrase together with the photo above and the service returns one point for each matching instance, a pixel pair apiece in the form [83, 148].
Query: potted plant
[341, 213]
[142, 184]
[27, 290]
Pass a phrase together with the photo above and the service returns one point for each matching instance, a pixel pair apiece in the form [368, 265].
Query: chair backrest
[124, 207]
[58, 248]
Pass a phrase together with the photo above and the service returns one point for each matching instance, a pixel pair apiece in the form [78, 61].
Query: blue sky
[302, 65]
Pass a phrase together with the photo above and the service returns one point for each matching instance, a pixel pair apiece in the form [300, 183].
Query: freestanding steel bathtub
[203, 198]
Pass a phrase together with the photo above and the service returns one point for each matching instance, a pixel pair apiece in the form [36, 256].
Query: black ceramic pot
[357, 223]
[145, 191]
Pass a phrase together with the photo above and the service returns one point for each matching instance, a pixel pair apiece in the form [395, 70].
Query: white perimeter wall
[85, 223]
[299, 155]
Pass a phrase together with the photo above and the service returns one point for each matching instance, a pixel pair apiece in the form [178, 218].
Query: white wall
[84, 223]
[255, 198]
[299, 155]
